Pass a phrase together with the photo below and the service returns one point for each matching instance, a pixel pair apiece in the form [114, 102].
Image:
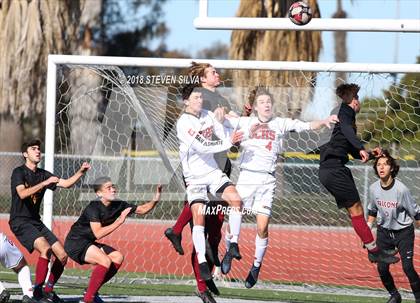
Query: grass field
[123, 290]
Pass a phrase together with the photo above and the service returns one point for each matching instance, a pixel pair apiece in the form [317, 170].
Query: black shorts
[340, 183]
[76, 249]
[402, 239]
[28, 230]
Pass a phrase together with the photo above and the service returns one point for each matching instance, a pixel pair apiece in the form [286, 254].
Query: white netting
[122, 121]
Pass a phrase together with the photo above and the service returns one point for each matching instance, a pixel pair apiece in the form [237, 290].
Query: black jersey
[213, 100]
[28, 207]
[96, 211]
[343, 140]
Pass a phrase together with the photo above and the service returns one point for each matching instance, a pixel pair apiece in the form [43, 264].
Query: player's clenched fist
[236, 137]
[85, 167]
[156, 198]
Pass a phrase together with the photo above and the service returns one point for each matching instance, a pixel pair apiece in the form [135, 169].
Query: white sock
[371, 246]
[24, 278]
[228, 236]
[1, 287]
[235, 219]
[260, 248]
[199, 243]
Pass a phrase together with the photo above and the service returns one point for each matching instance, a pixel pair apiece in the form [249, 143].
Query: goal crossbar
[203, 21]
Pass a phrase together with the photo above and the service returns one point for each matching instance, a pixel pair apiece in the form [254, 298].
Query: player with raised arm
[28, 185]
[11, 257]
[394, 209]
[263, 140]
[100, 218]
[337, 178]
[216, 103]
[195, 128]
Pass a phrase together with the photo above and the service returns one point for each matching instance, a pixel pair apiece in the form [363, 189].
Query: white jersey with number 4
[263, 141]
[196, 147]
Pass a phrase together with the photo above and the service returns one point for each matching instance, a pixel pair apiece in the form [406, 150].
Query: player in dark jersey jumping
[391, 204]
[99, 219]
[28, 185]
[337, 178]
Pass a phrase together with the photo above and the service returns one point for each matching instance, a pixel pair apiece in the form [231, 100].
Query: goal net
[121, 119]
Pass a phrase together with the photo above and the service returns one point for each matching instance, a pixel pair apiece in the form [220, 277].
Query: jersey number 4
[269, 145]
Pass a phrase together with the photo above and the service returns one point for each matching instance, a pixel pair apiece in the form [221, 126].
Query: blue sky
[362, 47]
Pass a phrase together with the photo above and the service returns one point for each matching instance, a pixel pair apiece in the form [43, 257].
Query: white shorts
[198, 188]
[256, 190]
[10, 255]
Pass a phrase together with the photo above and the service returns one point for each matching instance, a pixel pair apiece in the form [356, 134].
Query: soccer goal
[119, 114]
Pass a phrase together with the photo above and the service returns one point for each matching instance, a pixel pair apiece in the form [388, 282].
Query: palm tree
[29, 31]
[276, 46]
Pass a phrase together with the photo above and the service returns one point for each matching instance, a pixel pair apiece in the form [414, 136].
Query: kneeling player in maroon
[100, 218]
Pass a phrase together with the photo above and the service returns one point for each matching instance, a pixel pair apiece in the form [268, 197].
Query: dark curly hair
[390, 160]
[347, 89]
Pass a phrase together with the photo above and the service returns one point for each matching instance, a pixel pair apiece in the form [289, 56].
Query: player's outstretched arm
[331, 120]
[100, 231]
[145, 208]
[66, 183]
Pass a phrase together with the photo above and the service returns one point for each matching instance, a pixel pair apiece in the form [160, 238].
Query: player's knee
[105, 261]
[118, 257]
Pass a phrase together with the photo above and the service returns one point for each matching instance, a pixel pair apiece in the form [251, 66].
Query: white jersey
[196, 147]
[263, 141]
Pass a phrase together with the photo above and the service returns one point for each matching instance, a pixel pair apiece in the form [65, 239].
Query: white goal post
[54, 60]
[98, 112]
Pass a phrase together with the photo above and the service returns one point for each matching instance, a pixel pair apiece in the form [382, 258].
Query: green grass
[137, 289]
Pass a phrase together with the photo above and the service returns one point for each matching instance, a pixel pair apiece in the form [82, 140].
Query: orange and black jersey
[96, 211]
[28, 207]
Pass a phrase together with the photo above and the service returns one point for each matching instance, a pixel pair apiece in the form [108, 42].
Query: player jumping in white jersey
[201, 172]
[262, 142]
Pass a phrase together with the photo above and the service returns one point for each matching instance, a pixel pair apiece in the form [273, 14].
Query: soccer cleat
[233, 252]
[4, 296]
[38, 295]
[27, 299]
[52, 297]
[206, 297]
[97, 299]
[382, 257]
[212, 287]
[175, 240]
[226, 263]
[395, 298]
[252, 278]
[205, 271]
